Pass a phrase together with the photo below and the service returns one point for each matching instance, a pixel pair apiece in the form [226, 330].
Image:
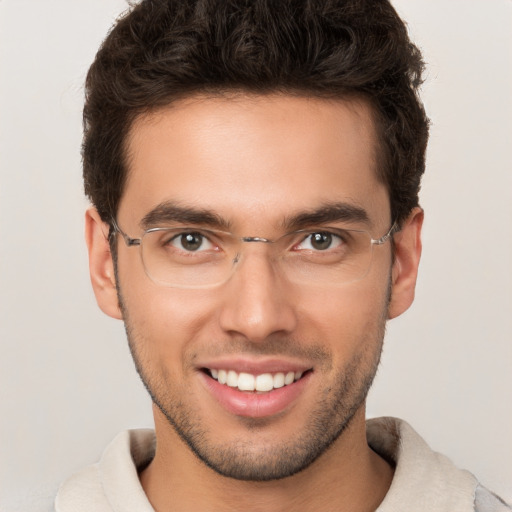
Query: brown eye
[321, 241]
[190, 242]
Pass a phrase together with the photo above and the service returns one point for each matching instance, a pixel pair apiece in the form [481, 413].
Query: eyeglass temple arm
[392, 230]
[128, 241]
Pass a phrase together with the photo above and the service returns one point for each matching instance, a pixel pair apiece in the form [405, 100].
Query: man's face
[256, 162]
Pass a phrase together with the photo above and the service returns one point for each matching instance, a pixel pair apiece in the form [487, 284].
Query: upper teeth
[248, 382]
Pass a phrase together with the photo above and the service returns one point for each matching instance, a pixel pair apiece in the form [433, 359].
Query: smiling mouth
[261, 383]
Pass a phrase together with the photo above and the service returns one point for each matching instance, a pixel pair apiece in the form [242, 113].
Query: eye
[191, 242]
[320, 241]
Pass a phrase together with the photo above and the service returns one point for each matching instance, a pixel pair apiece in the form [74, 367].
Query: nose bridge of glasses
[256, 239]
[256, 267]
[251, 240]
[273, 245]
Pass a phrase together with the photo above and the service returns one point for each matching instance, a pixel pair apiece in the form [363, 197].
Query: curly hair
[164, 50]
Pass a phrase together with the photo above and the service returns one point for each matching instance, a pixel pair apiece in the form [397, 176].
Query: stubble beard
[238, 457]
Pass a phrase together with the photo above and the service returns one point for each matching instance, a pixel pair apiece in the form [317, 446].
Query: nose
[257, 301]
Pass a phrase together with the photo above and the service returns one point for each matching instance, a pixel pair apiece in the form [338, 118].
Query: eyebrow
[328, 212]
[169, 212]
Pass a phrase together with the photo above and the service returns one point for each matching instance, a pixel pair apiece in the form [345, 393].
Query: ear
[407, 244]
[101, 265]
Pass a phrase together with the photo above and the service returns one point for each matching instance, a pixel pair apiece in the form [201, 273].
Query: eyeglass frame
[133, 242]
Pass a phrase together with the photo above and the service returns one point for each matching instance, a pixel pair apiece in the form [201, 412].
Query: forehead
[254, 160]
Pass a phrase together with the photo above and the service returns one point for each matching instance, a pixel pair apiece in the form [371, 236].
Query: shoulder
[487, 501]
[425, 480]
[82, 491]
[113, 482]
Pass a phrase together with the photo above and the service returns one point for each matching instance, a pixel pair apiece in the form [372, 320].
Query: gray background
[67, 383]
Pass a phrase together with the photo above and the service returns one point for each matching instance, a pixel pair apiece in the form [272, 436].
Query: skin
[256, 161]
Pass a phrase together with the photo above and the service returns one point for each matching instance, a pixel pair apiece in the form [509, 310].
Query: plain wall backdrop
[67, 382]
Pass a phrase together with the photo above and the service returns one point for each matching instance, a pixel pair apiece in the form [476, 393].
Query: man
[254, 170]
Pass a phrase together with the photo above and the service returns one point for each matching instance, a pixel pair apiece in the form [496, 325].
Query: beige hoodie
[424, 481]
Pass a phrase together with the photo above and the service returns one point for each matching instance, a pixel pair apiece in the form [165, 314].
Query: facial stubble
[240, 458]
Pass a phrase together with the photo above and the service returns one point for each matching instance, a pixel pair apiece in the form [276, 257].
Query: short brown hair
[164, 50]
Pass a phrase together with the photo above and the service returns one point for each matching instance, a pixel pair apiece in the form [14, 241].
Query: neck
[348, 476]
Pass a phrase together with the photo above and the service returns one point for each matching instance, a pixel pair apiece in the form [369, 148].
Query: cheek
[171, 313]
[347, 321]
[162, 322]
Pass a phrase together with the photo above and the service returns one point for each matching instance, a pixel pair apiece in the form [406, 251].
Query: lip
[253, 404]
[256, 367]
